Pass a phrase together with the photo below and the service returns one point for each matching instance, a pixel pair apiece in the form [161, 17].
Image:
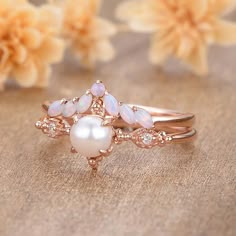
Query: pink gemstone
[84, 103]
[69, 109]
[98, 89]
[111, 105]
[55, 109]
[144, 118]
[127, 114]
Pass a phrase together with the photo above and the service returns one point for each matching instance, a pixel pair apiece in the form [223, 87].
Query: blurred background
[176, 190]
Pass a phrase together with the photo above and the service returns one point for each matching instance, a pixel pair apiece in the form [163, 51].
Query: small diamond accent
[38, 124]
[147, 138]
[97, 107]
[52, 129]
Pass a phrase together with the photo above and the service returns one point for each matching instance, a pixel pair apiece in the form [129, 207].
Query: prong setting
[73, 150]
[106, 153]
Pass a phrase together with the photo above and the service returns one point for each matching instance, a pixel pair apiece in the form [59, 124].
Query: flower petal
[20, 54]
[198, 8]
[139, 16]
[128, 9]
[143, 25]
[222, 7]
[161, 48]
[26, 74]
[26, 14]
[104, 28]
[50, 18]
[31, 37]
[184, 47]
[94, 5]
[225, 32]
[44, 72]
[198, 60]
[51, 50]
[104, 50]
[4, 55]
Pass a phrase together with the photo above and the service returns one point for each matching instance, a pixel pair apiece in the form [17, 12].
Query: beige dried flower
[88, 34]
[181, 28]
[29, 42]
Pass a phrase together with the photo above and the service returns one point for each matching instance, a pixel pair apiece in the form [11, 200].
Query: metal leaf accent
[146, 138]
[53, 127]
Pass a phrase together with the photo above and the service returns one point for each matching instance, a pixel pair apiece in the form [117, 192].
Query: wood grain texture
[177, 190]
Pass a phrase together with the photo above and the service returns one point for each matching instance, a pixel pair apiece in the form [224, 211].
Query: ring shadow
[74, 175]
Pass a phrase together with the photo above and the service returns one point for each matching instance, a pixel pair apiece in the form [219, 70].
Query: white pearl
[88, 136]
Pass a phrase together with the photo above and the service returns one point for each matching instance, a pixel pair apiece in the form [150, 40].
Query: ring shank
[178, 125]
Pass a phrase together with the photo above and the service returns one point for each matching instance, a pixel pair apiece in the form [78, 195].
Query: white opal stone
[69, 109]
[88, 136]
[55, 109]
[84, 103]
[127, 114]
[144, 118]
[98, 89]
[111, 105]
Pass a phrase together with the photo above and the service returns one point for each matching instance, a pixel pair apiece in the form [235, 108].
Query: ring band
[178, 124]
[96, 120]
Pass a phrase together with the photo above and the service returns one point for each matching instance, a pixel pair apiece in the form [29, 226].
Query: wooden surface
[177, 190]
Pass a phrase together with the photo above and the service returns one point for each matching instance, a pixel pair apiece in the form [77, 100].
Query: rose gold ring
[96, 120]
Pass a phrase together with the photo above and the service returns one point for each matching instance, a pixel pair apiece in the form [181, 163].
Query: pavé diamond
[52, 129]
[147, 138]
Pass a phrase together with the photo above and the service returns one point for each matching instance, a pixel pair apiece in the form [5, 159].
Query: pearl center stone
[88, 136]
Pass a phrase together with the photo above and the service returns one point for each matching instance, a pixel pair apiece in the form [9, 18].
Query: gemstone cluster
[98, 99]
[90, 121]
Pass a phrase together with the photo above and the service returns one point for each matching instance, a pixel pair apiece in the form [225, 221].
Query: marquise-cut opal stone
[84, 103]
[144, 118]
[55, 109]
[127, 114]
[111, 105]
[69, 109]
[98, 89]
